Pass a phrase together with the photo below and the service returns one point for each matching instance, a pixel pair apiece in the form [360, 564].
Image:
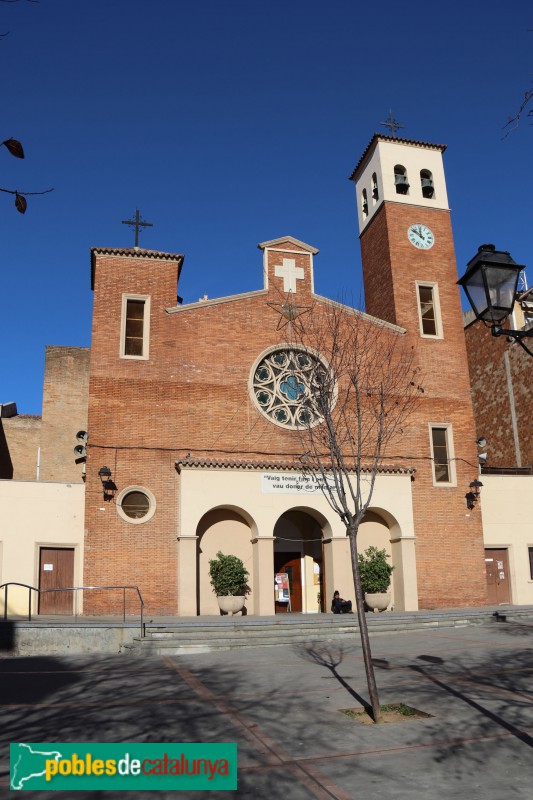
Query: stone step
[227, 633]
[198, 642]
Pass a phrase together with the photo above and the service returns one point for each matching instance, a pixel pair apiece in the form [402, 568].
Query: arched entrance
[380, 529]
[226, 530]
[298, 552]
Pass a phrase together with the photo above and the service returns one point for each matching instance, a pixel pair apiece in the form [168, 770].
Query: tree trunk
[365, 641]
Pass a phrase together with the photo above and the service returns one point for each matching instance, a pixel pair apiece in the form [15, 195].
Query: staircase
[205, 635]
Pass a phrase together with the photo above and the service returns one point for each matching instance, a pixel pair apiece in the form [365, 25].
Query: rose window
[285, 384]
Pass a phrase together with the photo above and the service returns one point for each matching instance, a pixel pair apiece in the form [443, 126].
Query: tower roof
[133, 252]
[291, 240]
[381, 137]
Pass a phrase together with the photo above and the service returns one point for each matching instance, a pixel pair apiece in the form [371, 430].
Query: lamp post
[490, 283]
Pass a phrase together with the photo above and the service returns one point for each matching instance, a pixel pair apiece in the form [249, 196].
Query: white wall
[508, 523]
[33, 515]
[414, 157]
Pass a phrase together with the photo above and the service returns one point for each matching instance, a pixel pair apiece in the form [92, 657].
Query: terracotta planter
[378, 601]
[230, 604]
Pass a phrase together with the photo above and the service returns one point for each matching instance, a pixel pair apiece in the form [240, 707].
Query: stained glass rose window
[284, 386]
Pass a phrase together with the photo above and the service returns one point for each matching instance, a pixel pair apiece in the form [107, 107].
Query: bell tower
[406, 238]
[410, 280]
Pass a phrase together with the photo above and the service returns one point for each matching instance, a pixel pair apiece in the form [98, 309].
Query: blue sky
[231, 123]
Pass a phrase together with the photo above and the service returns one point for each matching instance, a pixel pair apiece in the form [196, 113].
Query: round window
[136, 504]
[286, 383]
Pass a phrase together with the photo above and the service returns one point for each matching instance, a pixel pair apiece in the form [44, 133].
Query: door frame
[78, 566]
[507, 548]
[297, 551]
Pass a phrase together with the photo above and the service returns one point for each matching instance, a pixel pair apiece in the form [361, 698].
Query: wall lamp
[473, 495]
[109, 487]
[490, 283]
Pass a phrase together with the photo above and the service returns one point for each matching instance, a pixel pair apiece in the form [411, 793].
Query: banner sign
[169, 766]
[282, 588]
[293, 483]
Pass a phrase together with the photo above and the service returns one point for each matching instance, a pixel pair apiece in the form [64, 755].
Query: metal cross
[136, 223]
[392, 124]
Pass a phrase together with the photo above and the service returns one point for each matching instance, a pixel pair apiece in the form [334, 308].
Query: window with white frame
[135, 326]
[429, 309]
[442, 454]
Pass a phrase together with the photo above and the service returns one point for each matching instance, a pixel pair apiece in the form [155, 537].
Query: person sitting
[340, 606]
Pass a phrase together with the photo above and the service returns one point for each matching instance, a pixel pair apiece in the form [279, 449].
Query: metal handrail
[31, 589]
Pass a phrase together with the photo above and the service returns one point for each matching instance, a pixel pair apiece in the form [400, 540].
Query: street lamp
[490, 283]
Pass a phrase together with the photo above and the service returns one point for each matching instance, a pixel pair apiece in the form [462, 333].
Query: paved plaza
[281, 705]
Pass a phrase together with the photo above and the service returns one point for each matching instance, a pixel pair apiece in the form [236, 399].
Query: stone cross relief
[290, 274]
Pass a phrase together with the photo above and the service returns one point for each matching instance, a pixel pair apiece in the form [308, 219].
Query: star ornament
[288, 311]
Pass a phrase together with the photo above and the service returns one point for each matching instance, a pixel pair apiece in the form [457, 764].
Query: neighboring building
[502, 395]
[35, 448]
[41, 487]
[190, 412]
[502, 387]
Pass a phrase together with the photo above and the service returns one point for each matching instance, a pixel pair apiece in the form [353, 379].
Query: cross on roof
[137, 223]
[290, 274]
[392, 124]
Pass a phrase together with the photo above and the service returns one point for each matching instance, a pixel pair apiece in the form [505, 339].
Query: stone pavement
[281, 704]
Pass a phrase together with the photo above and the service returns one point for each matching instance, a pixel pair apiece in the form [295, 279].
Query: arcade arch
[227, 530]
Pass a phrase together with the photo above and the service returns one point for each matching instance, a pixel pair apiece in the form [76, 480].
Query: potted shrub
[375, 578]
[228, 579]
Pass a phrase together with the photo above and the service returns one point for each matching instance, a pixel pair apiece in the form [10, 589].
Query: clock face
[420, 236]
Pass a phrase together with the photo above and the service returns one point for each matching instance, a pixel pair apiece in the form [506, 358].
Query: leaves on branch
[21, 204]
[14, 147]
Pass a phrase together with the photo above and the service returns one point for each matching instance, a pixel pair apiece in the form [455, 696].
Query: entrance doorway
[291, 563]
[56, 570]
[497, 568]
[298, 552]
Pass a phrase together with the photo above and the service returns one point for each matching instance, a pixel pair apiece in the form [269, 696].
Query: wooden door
[497, 567]
[56, 570]
[291, 564]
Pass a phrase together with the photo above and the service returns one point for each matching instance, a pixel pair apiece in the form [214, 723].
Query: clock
[420, 236]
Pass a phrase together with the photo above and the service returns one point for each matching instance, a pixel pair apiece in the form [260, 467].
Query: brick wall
[449, 538]
[20, 438]
[191, 396]
[65, 400]
[500, 374]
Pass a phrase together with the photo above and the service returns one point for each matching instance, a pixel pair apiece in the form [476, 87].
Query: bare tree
[357, 384]
[514, 121]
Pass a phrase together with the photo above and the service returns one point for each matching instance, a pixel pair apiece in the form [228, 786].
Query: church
[188, 423]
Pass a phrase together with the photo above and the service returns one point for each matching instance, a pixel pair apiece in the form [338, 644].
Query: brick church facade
[172, 414]
[200, 458]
